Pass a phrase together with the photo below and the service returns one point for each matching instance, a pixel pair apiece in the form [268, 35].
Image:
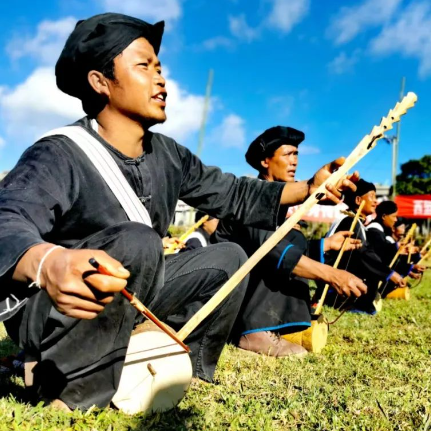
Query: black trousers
[282, 307]
[80, 361]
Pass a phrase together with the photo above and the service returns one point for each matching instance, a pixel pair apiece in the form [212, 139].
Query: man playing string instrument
[379, 233]
[277, 299]
[57, 212]
[363, 262]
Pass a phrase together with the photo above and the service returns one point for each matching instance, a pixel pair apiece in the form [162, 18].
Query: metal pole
[395, 145]
[205, 113]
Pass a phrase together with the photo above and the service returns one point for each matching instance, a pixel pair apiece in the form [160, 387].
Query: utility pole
[395, 144]
[205, 112]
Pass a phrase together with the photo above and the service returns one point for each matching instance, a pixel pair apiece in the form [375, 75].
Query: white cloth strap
[108, 169]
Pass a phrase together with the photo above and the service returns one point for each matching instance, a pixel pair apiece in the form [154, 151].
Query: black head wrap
[266, 143]
[386, 208]
[95, 42]
[362, 188]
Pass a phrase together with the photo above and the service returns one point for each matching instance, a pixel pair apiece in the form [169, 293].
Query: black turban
[266, 143]
[362, 188]
[95, 42]
[386, 208]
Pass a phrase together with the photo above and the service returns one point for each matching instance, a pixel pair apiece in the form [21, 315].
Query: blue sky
[329, 68]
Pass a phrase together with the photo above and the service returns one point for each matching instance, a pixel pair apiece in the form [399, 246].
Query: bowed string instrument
[157, 373]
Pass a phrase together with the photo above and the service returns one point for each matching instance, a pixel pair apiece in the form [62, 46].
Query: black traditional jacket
[55, 194]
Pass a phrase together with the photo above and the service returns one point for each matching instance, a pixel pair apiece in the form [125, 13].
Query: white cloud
[151, 10]
[230, 133]
[350, 21]
[217, 42]
[286, 13]
[2, 142]
[239, 28]
[46, 45]
[282, 105]
[306, 150]
[343, 62]
[36, 106]
[410, 35]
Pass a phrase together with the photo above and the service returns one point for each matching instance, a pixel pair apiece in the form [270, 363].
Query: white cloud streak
[230, 133]
[151, 10]
[409, 35]
[285, 14]
[350, 21]
[240, 29]
[217, 42]
[307, 150]
[344, 63]
[36, 106]
[45, 46]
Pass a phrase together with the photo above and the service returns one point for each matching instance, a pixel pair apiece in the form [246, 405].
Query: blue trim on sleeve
[322, 253]
[283, 254]
[274, 328]
[390, 275]
[410, 270]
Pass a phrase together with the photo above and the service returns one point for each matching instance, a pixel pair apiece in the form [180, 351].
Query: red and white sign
[414, 206]
[321, 213]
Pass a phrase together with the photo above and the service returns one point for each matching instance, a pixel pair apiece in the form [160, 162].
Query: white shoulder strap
[108, 169]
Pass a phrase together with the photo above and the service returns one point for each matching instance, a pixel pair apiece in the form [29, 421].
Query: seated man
[201, 236]
[57, 212]
[364, 262]
[278, 299]
[379, 233]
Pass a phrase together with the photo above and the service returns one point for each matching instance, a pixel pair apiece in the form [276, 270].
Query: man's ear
[358, 201]
[98, 82]
[265, 163]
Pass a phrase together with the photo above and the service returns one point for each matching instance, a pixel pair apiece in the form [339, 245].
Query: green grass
[374, 374]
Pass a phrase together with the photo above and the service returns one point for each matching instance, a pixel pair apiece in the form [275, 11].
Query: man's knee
[231, 256]
[131, 243]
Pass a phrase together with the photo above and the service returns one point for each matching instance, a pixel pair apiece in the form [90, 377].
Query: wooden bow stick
[402, 247]
[365, 145]
[425, 246]
[410, 246]
[184, 236]
[404, 244]
[424, 258]
[340, 255]
[138, 305]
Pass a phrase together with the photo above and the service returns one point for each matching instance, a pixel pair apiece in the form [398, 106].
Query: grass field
[374, 374]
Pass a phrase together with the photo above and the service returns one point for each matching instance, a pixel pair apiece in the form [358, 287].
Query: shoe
[270, 344]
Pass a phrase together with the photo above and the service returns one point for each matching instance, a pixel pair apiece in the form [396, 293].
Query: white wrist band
[39, 270]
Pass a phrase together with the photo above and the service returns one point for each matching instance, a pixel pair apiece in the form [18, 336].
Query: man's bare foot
[60, 405]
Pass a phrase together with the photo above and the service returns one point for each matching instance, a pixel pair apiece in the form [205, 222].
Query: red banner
[414, 206]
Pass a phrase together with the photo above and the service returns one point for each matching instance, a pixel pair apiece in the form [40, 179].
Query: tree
[415, 177]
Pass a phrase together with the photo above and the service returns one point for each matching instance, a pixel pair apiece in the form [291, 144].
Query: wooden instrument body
[400, 293]
[314, 338]
[156, 373]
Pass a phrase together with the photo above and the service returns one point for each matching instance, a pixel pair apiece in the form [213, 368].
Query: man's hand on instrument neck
[335, 242]
[333, 192]
[74, 286]
[297, 192]
[168, 242]
[398, 280]
[344, 282]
